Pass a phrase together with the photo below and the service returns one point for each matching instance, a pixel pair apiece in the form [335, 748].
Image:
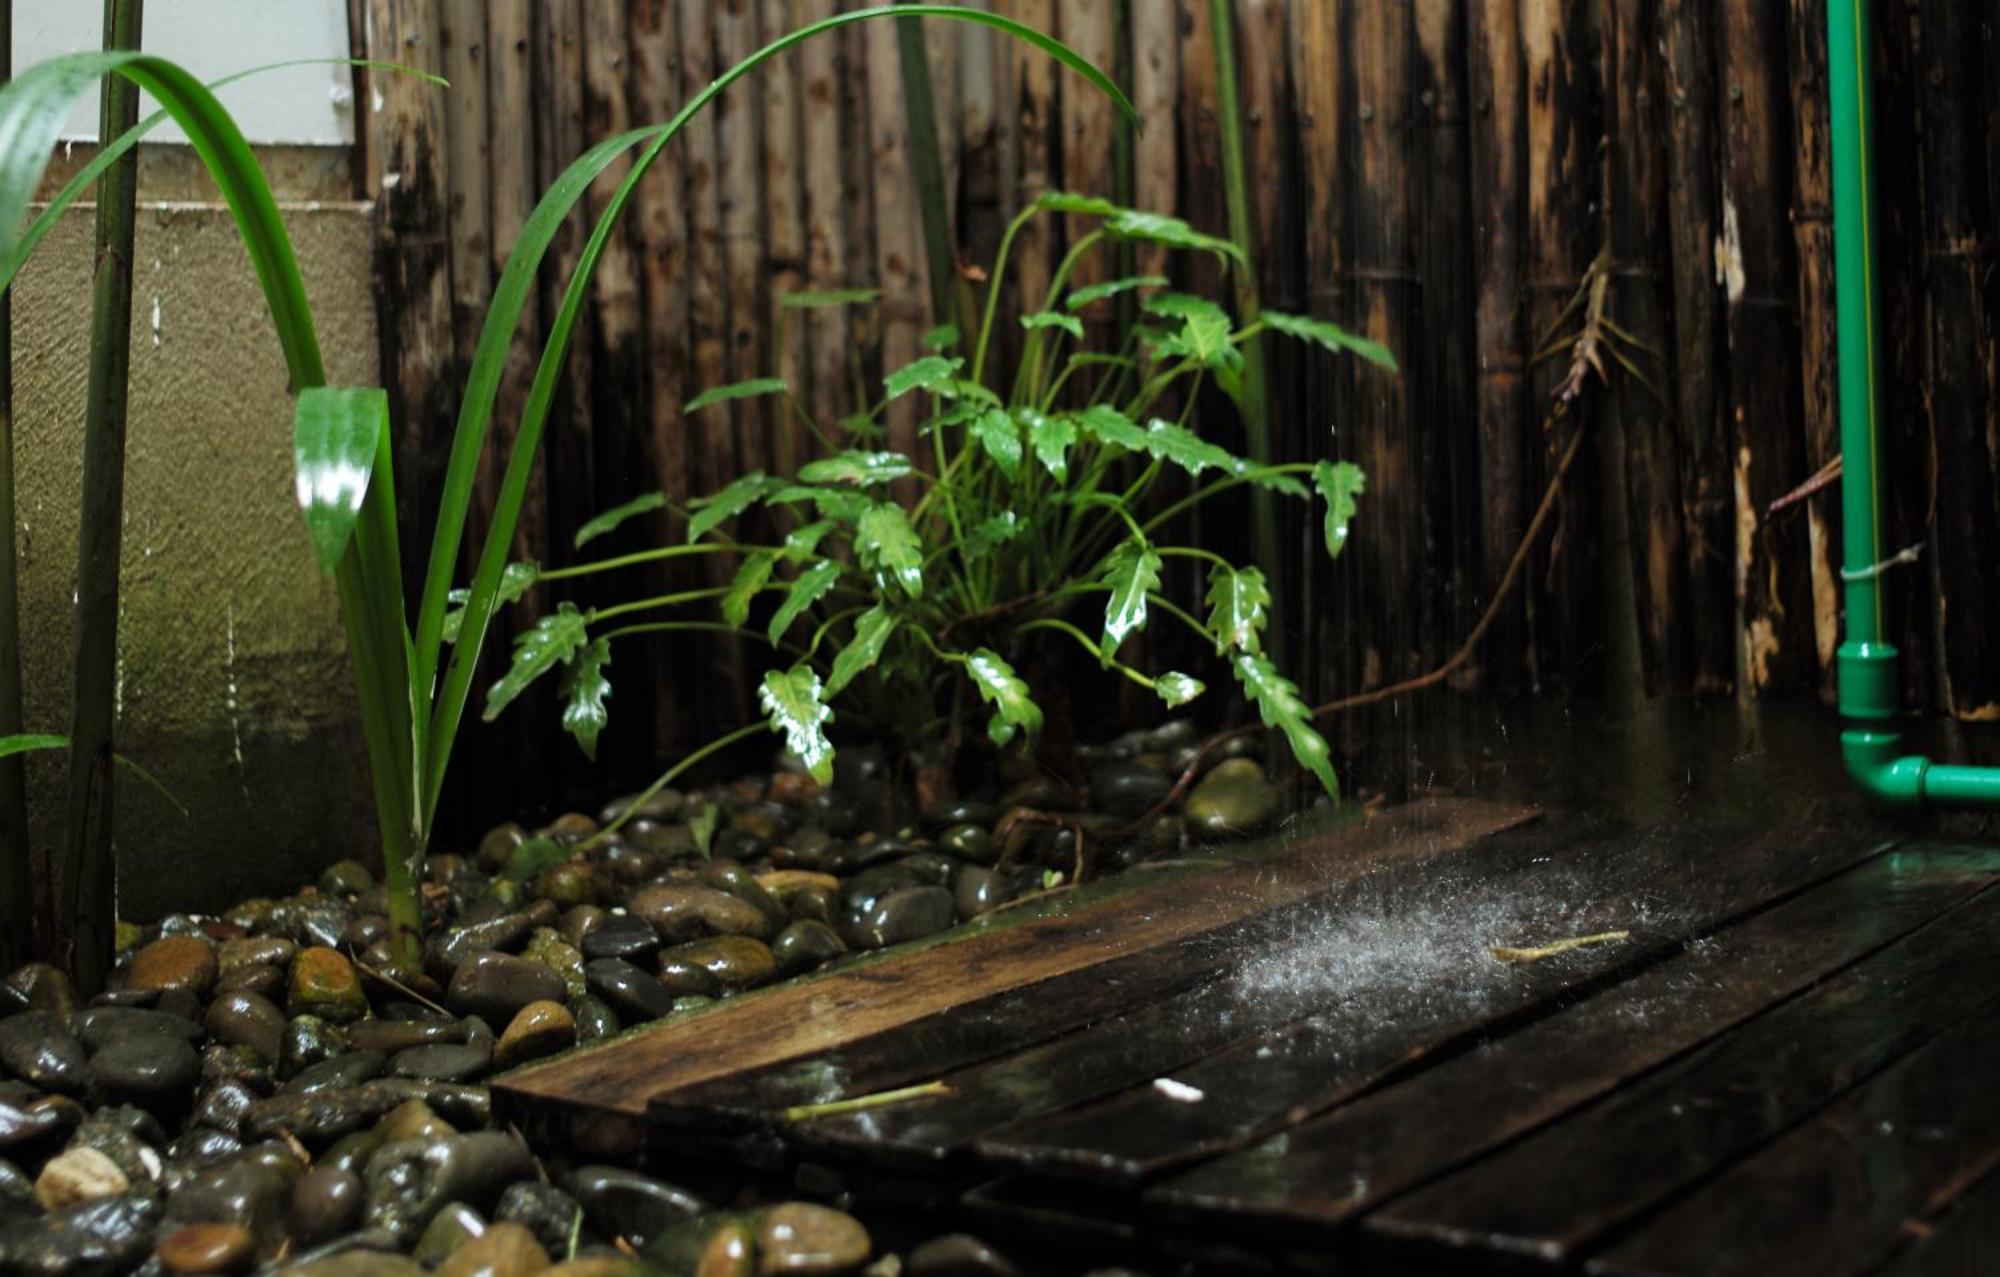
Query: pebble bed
[270, 1090]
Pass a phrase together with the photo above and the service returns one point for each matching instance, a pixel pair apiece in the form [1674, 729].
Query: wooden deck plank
[900, 989]
[1560, 1191]
[1331, 1169]
[1139, 1016]
[1664, 888]
[1960, 1243]
[1843, 1191]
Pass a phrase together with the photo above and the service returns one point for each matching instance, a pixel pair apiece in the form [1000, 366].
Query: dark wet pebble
[681, 975]
[391, 1036]
[624, 1203]
[325, 1203]
[1127, 789]
[41, 1122]
[801, 1237]
[957, 1255]
[453, 1226]
[36, 1046]
[150, 1069]
[250, 1190]
[860, 892]
[43, 987]
[207, 1248]
[242, 1018]
[906, 914]
[508, 932]
[408, 1182]
[496, 985]
[941, 816]
[621, 936]
[266, 982]
[735, 962]
[98, 1025]
[978, 890]
[543, 1209]
[307, 1040]
[968, 842]
[346, 878]
[337, 1072]
[201, 1146]
[595, 1020]
[106, 1235]
[223, 1104]
[320, 1116]
[805, 945]
[689, 911]
[632, 993]
[443, 1062]
[310, 920]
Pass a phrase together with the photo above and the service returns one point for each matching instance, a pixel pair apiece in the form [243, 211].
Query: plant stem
[88, 912]
[16, 883]
[833, 1108]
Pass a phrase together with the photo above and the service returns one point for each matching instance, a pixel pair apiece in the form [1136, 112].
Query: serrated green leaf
[1013, 709]
[1131, 569]
[1108, 425]
[1171, 305]
[862, 426]
[1330, 335]
[857, 469]
[1282, 483]
[1339, 483]
[1081, 297]
[808, 588]
[1053, 319]
[802, 541]
[733, 500]
[871, 634]
[941, 337]
[750, 389]
[1158, 228]
[534, 856]
[515, 579]
[810, 298]
[971, 394]
[996, 531]
[644, 503]
[553, 640]
[888, 544]
[1071, 202]
[751, 577]
[584, 691]
[923, 374]
[841, 504]
[1178, 689]
[1050, 437]
[1188, 450]
[336, 437]
[1000, 436]
[1278, 703]
[1206, 340]
[1238, 608]
[793, 699]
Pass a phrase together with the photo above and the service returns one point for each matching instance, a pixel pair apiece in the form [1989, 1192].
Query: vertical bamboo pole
[739, 169]
[899, 238]
[985, 203]
[1636, 204]
[857, 192]
[1202, 202]
[785, 161]
[1088, 163]
[1498, 173]
[1156, 87]
[17, 886]
[89, 909]
[1754, 260]
[824, 143]
[1812, 235]
[468, 208]
[1693, 223]
[1965, 413]
[1032, 87]
[560, 137]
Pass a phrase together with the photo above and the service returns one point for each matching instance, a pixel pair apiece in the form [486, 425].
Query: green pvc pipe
[1871, 741]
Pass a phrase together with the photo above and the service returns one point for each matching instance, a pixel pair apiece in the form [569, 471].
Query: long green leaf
[857, 469]
[795, 701]
[584, 690]
[808, 588]
[1054, 319]
[1278, 702]
[644, 503]
[31, 742]
[336, 434]
[1339, 483]
[514, 583]
[726, 504]
[554, 640]
[1081, 297]
[1132, 570]
[999, 686]
[871, 634]
[751, 577]
[1330, 335]
[889, 546]
[1238, 608]
[755, 387]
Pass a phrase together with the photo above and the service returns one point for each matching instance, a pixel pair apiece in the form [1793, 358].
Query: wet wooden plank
[1961, 1242]
[1560, 1192]
[1840, 1193]
[845, 1006]
[1115, 1025]
[1417, 991]
[1330, 1170]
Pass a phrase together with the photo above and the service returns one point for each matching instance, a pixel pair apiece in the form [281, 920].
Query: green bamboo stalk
[16, 911]
[89, 870]
[927, 166]
[1236, 192]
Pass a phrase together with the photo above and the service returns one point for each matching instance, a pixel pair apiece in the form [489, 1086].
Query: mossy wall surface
[233, 680]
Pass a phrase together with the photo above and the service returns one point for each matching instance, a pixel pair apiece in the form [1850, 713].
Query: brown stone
[208, 1248]
[538, 1029]
[324, 983]
[174, 962]
[503, 1250]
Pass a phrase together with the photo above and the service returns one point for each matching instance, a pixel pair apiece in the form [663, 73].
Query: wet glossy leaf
[923, 374]
[751, 577]
[857, 469]
[1071, 202]
[1339, 483]
[998, 434]
[871, 634]
[1330, 335]
[1204, 339]
[807, 589]
[644, 503]
[584, 691]
[514, 582]
[1170, 305]
[1158, 228]
[1051, 438]
[336, 436]
[1053, 319]
[1177, 689]
[1108, 425]
[727, 504]
[941, 337]
[1238, 608]
[554, 640]
[1278, 703]
[1013, 709]
[793, 700]
[888, 545]
[1081, 297]
[1188, 450]
[1131, 569]
[751, 389]
[802, 541]
[842, 504]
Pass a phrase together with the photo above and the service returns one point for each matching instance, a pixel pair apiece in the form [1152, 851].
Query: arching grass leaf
[888, 545]
[30, 742]
[871, 634]
[1131, 570]
[751, 577]
[1278, 702]
[1330, 335]
[1339, 483]
[1000, 436]
[1051, 438]
[923, 374]
[336, 437]
[554, 640]
[1177, 689]
[1013, 709]
[812, 298]
[1071, 202]
[1081, 297]
[857, 469]
[584, 691]
[750, 389]
[793, 699]
[1053, 319]
[710, 511]
[644, 503]
[1158, 228]
[514, 582]
[808, 588]
[1238, 608]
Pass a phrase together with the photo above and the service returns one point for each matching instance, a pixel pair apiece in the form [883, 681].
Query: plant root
[833, 1108]
[1508, 953]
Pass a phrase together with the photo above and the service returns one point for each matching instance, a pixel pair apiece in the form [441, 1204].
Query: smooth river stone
[734, 962]
[36, 1046]
[540, 1028]
[958, 1255]
[410, 1181]
[324, 983]
[543, 1209]
[687, 911]
[1234, 798]
[799, 1237]
[152, 1070]
[504, 1250]
[78, 1175]
[633, 993]
[977, 890]
[443, 1062]
[326, 1202]
[624, 1203]
[494, 986]
[242, 1018]
[621, 936]
[254, 951]
[175, 962]
[105, 1235]
[805, 945]
[337, 1072]
[391, 1036]
[908, 913]
[207, 1248]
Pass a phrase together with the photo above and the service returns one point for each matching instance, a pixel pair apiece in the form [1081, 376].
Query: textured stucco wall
[234, 686]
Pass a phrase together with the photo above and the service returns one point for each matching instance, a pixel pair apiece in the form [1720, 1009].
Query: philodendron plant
[412, 696]
[1030, 522]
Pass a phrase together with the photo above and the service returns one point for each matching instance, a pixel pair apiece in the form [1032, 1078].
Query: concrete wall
[234, 685]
